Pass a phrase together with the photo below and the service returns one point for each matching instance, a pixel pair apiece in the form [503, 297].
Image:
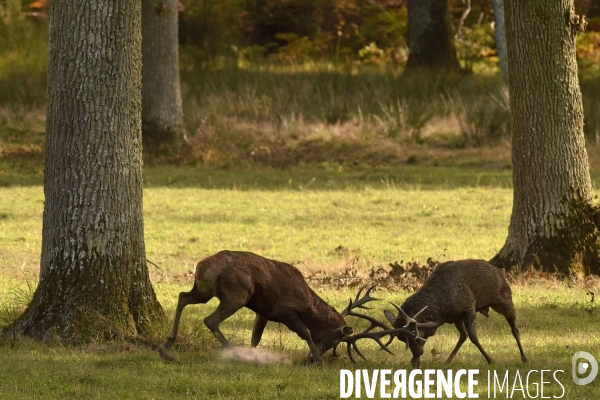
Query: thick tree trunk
[93, 278]
[430, 39]
[162, 116]
[554, 222]
[500, 34]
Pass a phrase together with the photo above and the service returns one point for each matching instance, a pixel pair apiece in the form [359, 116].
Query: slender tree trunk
[162, 115]
[430, 39]
[500, 34]
[554, 223]
[93, 276]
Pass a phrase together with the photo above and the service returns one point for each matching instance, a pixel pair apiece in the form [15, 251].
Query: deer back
[454, 286]
[274, 288]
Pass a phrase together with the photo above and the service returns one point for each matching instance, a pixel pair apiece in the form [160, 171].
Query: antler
[375, 323]
[360, 304]
[376, 336]
[412, 320]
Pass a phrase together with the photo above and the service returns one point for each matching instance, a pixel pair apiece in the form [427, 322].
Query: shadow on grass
[327, 178]
[308, 178]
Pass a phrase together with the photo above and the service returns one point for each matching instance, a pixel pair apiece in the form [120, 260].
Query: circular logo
[580, 367]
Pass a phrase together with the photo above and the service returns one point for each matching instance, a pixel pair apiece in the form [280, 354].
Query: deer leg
[334, 351]
[472, 332]
[296, 325]
[194, 296]
[233, 294]
[259, 326]
[508, 310]
[463, 336]
[223, 311]
[515, 332]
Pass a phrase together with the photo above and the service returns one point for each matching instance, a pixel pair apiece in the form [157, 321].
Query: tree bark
[93, 275]
[430, 39]
[500, 34]
[554, 223]
[162, 115]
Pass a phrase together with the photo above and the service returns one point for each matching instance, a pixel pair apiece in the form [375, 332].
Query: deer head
[369, 333]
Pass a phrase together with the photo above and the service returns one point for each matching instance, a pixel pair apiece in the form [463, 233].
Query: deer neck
[417, 301]
[321, 317]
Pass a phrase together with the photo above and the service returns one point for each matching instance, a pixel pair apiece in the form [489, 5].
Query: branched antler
[413, 321]
[376, 336]
[374, 323]
[359, 303]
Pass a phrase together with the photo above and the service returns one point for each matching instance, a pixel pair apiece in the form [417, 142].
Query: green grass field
[300, 216]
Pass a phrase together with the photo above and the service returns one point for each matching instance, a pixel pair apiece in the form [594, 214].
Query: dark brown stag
[275, 291]
[454, 293]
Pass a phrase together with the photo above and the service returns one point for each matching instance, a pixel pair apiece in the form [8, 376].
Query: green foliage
[588, 57]
[208, 28]
[588, 52]
[23, 60]
[293, 31]
[387, 27]
[476, 49]
[266, 21]
[297, 50]
[376, 25]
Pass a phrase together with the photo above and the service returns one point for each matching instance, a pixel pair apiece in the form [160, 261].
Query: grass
[296, 216]
[248, 117]
[378, 217]
[372, 224]
[122, 370]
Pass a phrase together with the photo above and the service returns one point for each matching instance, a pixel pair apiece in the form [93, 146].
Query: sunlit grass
[296, 217]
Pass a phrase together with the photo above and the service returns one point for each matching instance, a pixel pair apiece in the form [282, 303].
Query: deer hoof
[167, 355]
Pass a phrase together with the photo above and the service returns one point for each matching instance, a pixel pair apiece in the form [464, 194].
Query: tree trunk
[500, 34]
[430, 40]
[554, 222]
[162, 115]
[93, 276]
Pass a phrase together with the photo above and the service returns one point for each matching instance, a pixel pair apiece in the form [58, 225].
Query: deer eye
[346, 330]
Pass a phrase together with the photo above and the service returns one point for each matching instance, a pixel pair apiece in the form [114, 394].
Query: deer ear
[390, 316]
[347, 330]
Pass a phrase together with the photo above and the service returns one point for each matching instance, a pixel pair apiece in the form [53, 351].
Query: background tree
[93, 274]
[500, 34]
[162, 115]
[430, 39]
[554, 223]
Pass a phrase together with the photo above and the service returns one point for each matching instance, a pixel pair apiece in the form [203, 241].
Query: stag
[275, 291]
[454, 293]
